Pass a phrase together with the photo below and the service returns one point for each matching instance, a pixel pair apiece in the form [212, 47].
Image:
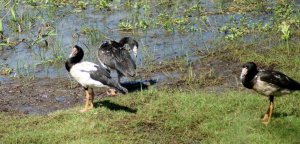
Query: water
[156, 44]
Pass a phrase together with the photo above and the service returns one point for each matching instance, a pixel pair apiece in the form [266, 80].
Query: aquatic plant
[80, 5]
[102, 4]
[125, 26]
[93, 35]
[285, 29]
[6, 70]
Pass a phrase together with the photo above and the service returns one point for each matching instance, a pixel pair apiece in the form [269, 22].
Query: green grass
[268, 52]
[174, 116]
[163, 117]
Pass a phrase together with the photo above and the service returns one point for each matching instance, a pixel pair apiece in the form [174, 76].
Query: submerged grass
[162, 117]
[269, 53]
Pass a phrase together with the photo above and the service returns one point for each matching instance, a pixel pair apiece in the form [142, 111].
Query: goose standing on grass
[269, 83]
[116, 56]
[89, 75]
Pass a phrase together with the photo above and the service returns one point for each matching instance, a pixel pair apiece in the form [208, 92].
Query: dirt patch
[39, 96]
[44, 95]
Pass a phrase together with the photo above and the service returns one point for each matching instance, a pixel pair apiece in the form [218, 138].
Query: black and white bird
[268, 83]
[116, 56]
[90, 75]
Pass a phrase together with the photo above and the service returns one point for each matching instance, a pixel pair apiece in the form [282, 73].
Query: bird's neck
[72, 61]
[248, 80]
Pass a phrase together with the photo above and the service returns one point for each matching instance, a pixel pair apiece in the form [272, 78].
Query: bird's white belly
[84, 78]
[268, 89]
[88, 82]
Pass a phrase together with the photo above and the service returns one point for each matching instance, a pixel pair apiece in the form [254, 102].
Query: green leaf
[3, 44]
[51, 33]
[1, 28]
[13, 14]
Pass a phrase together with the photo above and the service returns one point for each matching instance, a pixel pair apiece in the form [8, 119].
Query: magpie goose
[89, 75]
[268, 83]
[116, 56]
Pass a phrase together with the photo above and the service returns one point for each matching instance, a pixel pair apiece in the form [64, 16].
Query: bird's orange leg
[92, 94]
[87, 97]
[267, 117]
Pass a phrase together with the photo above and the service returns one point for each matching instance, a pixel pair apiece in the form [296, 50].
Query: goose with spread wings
[116, 56]
[90, 75]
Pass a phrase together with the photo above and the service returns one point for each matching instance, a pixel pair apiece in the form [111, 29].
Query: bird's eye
[105, 42]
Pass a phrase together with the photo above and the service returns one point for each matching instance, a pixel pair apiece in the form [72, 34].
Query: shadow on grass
[279, 115]
[114, 107]
[138, 85]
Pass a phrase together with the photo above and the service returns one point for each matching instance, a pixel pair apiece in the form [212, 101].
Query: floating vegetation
[126, 26]
[6, 71]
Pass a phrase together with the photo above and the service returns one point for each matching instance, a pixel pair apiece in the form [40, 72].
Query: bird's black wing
[103, 75]
[115, 56]
[279, 79]
[106, 53]
[124, 62]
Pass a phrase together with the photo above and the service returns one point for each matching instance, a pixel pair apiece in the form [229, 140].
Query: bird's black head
[76, 52]
[250, 66]
[129, 40]
[133, 44]
[249, 71]
[75, 57]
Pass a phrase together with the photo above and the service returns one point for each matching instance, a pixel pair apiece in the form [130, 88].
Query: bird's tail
[121, 89]
[114, 84]
[294, 85]
[298, 86]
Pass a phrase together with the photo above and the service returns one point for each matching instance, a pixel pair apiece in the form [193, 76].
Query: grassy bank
[163, 117]
[169, 115]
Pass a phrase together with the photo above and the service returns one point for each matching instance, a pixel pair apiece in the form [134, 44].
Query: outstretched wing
[106, 54]
[279, 79]
[124, 63]
[115, 56]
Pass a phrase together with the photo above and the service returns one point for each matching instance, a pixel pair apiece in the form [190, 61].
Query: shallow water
[156, 44]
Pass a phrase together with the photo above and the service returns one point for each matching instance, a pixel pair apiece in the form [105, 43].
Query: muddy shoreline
[45, 95]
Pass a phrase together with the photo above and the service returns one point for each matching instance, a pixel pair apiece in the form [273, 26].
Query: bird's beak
[135, 51]
[73, 52]
[243, 73]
